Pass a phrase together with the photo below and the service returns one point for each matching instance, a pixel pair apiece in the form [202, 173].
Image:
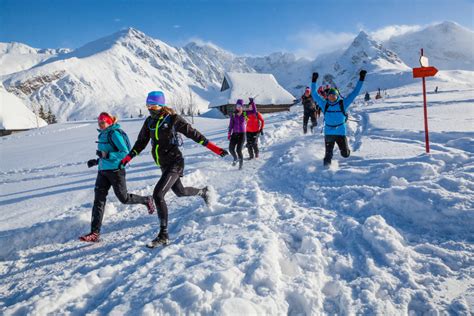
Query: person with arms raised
[335, 116]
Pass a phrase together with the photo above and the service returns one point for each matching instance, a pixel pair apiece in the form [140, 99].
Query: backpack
[124, 136]
[341, 109]
[176, 138]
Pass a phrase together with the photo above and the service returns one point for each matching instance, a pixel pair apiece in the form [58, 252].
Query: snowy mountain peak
[131, 35]
[18, 48]
[448, 45]
[208, 48]
[361, 37]
[364, 50]
[449, 26]
[363, 53]
[364, 41]
[205, 46]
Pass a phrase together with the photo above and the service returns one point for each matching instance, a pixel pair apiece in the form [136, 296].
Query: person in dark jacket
[111, 149]
[310, 110]
[335, 116]
[162, 128]
[237, 129]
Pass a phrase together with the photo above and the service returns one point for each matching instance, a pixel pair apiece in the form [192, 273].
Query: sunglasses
[153, 107]
[102, 123]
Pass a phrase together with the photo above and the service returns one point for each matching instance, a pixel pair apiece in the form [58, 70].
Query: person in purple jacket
[237, 128]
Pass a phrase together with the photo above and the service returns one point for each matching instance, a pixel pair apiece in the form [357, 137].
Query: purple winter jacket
[238, 123]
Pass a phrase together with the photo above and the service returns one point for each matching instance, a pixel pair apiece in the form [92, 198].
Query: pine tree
[141, 114]
[41, 113]
[50, 117]
[53, 119]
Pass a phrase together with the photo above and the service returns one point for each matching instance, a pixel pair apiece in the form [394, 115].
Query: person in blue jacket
[111, 149]
[335, 116]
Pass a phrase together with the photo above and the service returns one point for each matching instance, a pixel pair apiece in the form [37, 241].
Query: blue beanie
[156, 98]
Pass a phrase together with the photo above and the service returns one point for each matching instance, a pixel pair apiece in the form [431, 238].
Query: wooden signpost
[425, 71]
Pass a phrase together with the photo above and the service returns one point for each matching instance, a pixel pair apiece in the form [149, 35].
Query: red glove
[125, 161]
[217, 150]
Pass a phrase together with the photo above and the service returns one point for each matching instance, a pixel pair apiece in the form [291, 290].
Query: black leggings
[170, 179]
[237, 140]
[105, 180]
[306, 117]
[252, 143]
[342, 143]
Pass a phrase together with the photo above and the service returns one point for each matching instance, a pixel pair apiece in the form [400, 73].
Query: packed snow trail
[387, 231]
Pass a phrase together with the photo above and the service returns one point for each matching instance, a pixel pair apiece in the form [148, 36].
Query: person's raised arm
[253, 109]
[314, 91]
[351, 97]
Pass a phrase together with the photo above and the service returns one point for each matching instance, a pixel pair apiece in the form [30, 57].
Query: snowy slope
[388, 231]
[289, 71]
[214, 62]
[15, 57]
[448, 45]
[14, 115]
[113, 73]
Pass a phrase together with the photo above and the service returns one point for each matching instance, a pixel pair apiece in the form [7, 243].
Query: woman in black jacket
[162, 127]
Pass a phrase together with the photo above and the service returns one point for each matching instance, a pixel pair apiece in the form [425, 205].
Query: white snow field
[388, 231]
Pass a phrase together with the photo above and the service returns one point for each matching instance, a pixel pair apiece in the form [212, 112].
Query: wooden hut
[267, 93]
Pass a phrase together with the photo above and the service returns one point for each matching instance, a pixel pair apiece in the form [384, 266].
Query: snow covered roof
[263, 87]
[15, 115]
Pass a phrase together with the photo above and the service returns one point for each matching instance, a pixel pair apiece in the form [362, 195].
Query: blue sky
[257, 27]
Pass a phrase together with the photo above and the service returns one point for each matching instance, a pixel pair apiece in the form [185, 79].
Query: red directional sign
[422, 72]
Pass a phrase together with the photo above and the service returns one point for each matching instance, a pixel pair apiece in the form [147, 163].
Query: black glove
[93, 162]
[224, 153]
[250, 100]
[261, 132]
[315, 76]
[362, 74]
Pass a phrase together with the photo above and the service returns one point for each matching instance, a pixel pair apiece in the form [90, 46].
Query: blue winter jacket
[111, 163]
[337, 117]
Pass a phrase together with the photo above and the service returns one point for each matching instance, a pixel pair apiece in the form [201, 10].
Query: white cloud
[313, 43]
[117, 20]
[387, 32]
[176, 26]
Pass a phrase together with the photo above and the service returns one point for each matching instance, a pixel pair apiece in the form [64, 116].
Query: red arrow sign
[424, 72]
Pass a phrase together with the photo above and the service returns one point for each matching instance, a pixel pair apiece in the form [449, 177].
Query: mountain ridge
[116, 71]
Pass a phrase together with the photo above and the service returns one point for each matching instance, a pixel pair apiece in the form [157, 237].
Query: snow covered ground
[388, 231]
